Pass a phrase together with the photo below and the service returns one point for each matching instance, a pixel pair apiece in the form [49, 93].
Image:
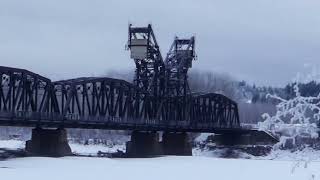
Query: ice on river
[196, 167]
[279, 165]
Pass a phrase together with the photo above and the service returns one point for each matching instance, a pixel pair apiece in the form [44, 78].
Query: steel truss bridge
[159, 99]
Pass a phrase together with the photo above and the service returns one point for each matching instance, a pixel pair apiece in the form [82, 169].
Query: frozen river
[278, 165]
[162, 168]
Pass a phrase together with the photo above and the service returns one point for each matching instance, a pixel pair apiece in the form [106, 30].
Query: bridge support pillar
[176, 144]
[143, 144]
[48, 142]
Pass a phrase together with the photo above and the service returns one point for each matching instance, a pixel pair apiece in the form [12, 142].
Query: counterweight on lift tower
[144, 49]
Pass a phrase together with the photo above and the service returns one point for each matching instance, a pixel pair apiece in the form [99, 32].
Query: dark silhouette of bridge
[28, 99]
[159, 99]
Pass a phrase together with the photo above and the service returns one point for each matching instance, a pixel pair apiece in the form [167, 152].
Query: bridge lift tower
[178, 61]
[150, 68]
[155, 76]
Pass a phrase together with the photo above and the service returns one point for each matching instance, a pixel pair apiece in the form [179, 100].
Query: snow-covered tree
[295, 117]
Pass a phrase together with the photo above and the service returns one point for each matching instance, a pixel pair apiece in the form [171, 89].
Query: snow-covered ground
[206, 164]
[12, 144]
[80, 149]
[84, 168]
[94, 149]
[307, 154]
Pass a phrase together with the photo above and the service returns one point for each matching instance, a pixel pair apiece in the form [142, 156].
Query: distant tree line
[252, 100]
[311, 88]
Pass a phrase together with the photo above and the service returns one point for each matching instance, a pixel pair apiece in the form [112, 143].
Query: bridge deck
[56, 121]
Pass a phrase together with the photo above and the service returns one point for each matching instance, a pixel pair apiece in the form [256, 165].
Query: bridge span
[159, 99]
[31, 100]
[28, 99]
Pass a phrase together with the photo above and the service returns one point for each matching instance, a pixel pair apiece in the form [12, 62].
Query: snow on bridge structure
[159, 99]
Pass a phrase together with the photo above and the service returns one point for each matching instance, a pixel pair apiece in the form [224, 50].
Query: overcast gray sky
[262, 41]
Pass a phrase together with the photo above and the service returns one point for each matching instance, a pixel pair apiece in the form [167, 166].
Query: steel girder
[25, 91]
[215, 110]
[91, 98]
[27, 99]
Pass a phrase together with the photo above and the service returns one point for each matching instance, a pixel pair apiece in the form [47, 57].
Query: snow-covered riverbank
[84, 168]
[282, 165]
[307, 154]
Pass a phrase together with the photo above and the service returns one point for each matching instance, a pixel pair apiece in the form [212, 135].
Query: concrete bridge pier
[176, 144]
[48, 142]
[144, 144]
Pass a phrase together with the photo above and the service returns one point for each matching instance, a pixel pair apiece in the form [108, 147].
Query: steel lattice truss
[178, 61]
[159, 98]
[150, 67]
[24, 91]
